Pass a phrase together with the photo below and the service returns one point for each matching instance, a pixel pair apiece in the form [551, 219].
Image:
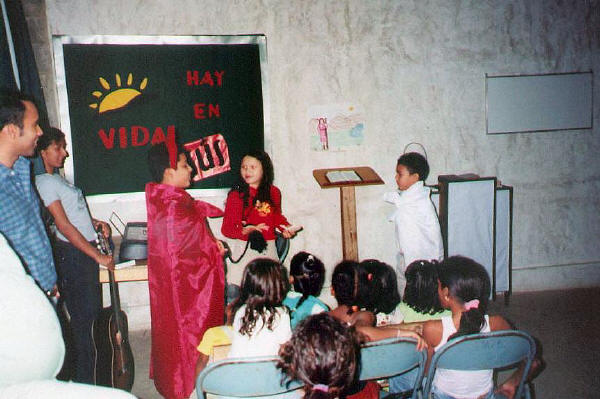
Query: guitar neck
[115, 301]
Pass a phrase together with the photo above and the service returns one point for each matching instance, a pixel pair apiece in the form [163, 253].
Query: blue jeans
[79, 287]
[406, 382]
[403, 382]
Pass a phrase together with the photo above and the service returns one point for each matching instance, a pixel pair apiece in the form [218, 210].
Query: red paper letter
[134, 136]
[158, 136]
[199, 111]
[192, 78]
[109, 141]
[219, 76]
[207, 79]
[213, 110]
[123, 137]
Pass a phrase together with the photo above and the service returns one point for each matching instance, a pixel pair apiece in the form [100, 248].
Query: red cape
[186, 281]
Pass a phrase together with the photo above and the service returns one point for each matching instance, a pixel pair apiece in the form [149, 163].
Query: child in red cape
[185, 272]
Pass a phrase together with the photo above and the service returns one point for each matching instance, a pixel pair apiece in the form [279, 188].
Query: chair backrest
[484, 351]
[243, 377]
[282, 245]
[391, 357]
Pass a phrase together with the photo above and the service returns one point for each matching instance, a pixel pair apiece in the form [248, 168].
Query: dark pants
[80, 288]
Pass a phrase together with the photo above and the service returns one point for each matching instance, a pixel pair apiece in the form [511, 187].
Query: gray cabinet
[475, 216]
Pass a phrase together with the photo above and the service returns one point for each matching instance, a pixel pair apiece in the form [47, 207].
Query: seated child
[261, 322]
[307, 274]
[421, 301]
[346, 289]
[214, 336]
[185, 272]
[253, 214]
[333, 367]
[381, 292]
[418, 233]
[464, 289]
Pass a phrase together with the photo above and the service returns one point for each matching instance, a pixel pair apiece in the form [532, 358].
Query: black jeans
[80, 289]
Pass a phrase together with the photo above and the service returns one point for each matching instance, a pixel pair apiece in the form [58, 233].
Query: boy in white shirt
[418, 233]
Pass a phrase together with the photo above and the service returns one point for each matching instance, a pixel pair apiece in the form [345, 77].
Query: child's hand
[421, 344]
[506, 390]
[288, 231]
[262, 227]
[287, 234]
[221, 247]
[361, 318]
[251, 227]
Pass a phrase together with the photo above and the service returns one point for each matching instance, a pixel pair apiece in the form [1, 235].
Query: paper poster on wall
[335, 127]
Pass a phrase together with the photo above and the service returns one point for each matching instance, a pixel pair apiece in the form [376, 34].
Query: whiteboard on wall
[535, 103]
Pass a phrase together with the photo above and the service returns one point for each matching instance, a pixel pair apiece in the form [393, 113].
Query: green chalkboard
[119, 96]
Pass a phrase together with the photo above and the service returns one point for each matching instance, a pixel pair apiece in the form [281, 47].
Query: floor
[566, 323]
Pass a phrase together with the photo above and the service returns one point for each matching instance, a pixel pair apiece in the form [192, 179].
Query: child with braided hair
[307, 274]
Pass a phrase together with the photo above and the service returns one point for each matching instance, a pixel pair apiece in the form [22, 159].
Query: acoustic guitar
[114, 358]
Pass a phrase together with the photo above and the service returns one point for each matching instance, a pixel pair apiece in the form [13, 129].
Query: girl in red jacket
[253, 211]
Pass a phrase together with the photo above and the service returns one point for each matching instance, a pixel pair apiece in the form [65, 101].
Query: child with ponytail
[464, 288]
[307, 274]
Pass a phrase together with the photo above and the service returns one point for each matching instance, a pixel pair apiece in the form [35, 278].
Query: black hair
[264, 287]
[466, 280]
[159, 161]
[12, 108]
[309, 274]
[50, 136]
[263, 193]
[381, 287]
[345, 283]
[421, 291]
[415, 163]
[322, 351]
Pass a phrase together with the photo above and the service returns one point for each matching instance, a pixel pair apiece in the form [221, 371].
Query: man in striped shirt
[20, 218]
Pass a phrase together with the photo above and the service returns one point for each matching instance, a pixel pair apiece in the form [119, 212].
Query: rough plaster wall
[417, 68]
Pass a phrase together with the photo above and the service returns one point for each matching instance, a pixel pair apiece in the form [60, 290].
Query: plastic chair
[243, 378]
[392, 357]
[484, 351]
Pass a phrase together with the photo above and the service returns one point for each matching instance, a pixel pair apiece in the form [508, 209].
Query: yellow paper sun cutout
[119, 97]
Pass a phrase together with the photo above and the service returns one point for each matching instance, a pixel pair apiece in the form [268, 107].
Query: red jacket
[237, 217]
[186, 281]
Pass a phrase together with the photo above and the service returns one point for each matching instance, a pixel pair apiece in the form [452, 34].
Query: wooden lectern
[357, 176]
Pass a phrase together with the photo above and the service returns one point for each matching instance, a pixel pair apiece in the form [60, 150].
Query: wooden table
[139, 272]
[348, 203]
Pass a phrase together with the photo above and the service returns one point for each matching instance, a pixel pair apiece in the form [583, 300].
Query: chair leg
[527, 389]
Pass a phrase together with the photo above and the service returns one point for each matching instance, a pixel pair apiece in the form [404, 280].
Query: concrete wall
[417, 68]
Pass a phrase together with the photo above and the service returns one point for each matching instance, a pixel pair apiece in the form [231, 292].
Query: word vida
[136, 136]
